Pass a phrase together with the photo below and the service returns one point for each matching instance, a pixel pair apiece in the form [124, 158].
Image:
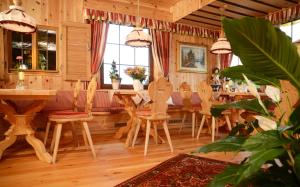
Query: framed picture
[192, 58]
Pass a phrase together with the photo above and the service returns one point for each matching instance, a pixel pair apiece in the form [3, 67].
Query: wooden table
[20, 118]
[126, 98]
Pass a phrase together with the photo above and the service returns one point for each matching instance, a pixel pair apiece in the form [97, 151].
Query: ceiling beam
[185, 7]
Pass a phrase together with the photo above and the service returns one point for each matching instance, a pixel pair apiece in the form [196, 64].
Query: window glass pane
[21, 45]
[46, 45]
[113, 34]
[106, 70]
[126, 55]
[142, 56]
[125, 78]
[296, 30]
[111, 53]
[124, 31]
[287, 29]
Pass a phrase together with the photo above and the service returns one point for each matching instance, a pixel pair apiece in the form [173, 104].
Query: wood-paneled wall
[56, 12]
[193, 79]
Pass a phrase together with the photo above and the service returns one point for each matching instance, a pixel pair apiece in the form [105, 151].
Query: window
[38, 50]
[292, 29]
[124, 56]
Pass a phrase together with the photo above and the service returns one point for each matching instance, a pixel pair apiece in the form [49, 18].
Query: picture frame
[191, 58]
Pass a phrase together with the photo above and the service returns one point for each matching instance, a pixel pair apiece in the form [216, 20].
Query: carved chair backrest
[90, 94]
[205, 93]
[186, 95]
[159, 92]
[76, 94]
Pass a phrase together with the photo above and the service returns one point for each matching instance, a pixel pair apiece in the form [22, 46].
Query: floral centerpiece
[114, 76]
[138, 75]
[270, 133]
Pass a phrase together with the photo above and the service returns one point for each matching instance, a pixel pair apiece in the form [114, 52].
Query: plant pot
[137, 85]
[115, 84]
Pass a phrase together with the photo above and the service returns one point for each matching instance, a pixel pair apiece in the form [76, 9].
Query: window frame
[126, 86]
[34, 52]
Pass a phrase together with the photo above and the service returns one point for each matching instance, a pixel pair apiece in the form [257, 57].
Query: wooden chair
[61, 118]
[206, 94]
[186, 95]
[75, 109]
[159, 92]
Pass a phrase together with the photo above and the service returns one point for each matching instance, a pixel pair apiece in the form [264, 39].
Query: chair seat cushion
[68, 115]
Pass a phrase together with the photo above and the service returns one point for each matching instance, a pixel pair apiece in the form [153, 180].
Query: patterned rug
[182, 170]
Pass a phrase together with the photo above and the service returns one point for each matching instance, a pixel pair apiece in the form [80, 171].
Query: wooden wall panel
[128, 7]
[56, 12]
[192, 78]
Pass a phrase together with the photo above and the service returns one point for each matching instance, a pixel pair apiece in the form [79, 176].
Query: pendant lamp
[16, 19]
[221, 46]
[137, 37]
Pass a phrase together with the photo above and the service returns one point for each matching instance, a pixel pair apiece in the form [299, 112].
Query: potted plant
[270, 137]
[114, 76]
[138, 75]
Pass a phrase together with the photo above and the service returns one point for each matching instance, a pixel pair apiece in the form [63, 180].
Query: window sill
[12, 71]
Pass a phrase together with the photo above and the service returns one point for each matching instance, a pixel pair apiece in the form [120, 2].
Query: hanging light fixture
[221, 46]
[16, 19]
[137, 37]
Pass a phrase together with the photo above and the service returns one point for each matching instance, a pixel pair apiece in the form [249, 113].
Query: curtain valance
[285, 15]
[118, 18]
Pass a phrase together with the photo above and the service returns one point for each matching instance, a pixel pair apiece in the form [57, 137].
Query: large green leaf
[256, 161]
[264, 141]
[263, 48]
[236, 73]
[295, 119]
[228, 144]
[247, 104]
[297, 166]
[227, 177]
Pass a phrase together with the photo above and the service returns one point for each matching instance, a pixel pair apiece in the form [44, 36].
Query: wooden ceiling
[158, 3]
[210, 15]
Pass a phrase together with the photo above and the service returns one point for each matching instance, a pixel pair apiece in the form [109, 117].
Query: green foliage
[297, 166]
[113, 74]
[264, 141]
[263, 48]
[225, 178]
[248, 104]
[230, 143]
[236, 73]
[268, 56]
[256, 160]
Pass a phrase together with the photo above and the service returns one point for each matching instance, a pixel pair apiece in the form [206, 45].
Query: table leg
[8, 141]
[123, 130]
[39, 148]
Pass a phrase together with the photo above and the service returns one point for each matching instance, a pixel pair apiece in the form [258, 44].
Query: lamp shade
[16, 19]
[222, 46]
[138, 38]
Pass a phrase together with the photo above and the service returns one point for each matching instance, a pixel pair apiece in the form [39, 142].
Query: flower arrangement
[271, 137]
[137, 72]
[113, 74]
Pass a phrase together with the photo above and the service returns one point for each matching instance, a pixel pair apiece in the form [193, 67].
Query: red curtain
[161, 49]
[99, 36]
[225, 60]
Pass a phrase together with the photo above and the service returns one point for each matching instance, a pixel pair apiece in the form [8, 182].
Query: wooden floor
[76, 167]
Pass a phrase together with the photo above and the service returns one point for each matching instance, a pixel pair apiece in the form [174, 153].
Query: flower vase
[137, 85]
[115, 84]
